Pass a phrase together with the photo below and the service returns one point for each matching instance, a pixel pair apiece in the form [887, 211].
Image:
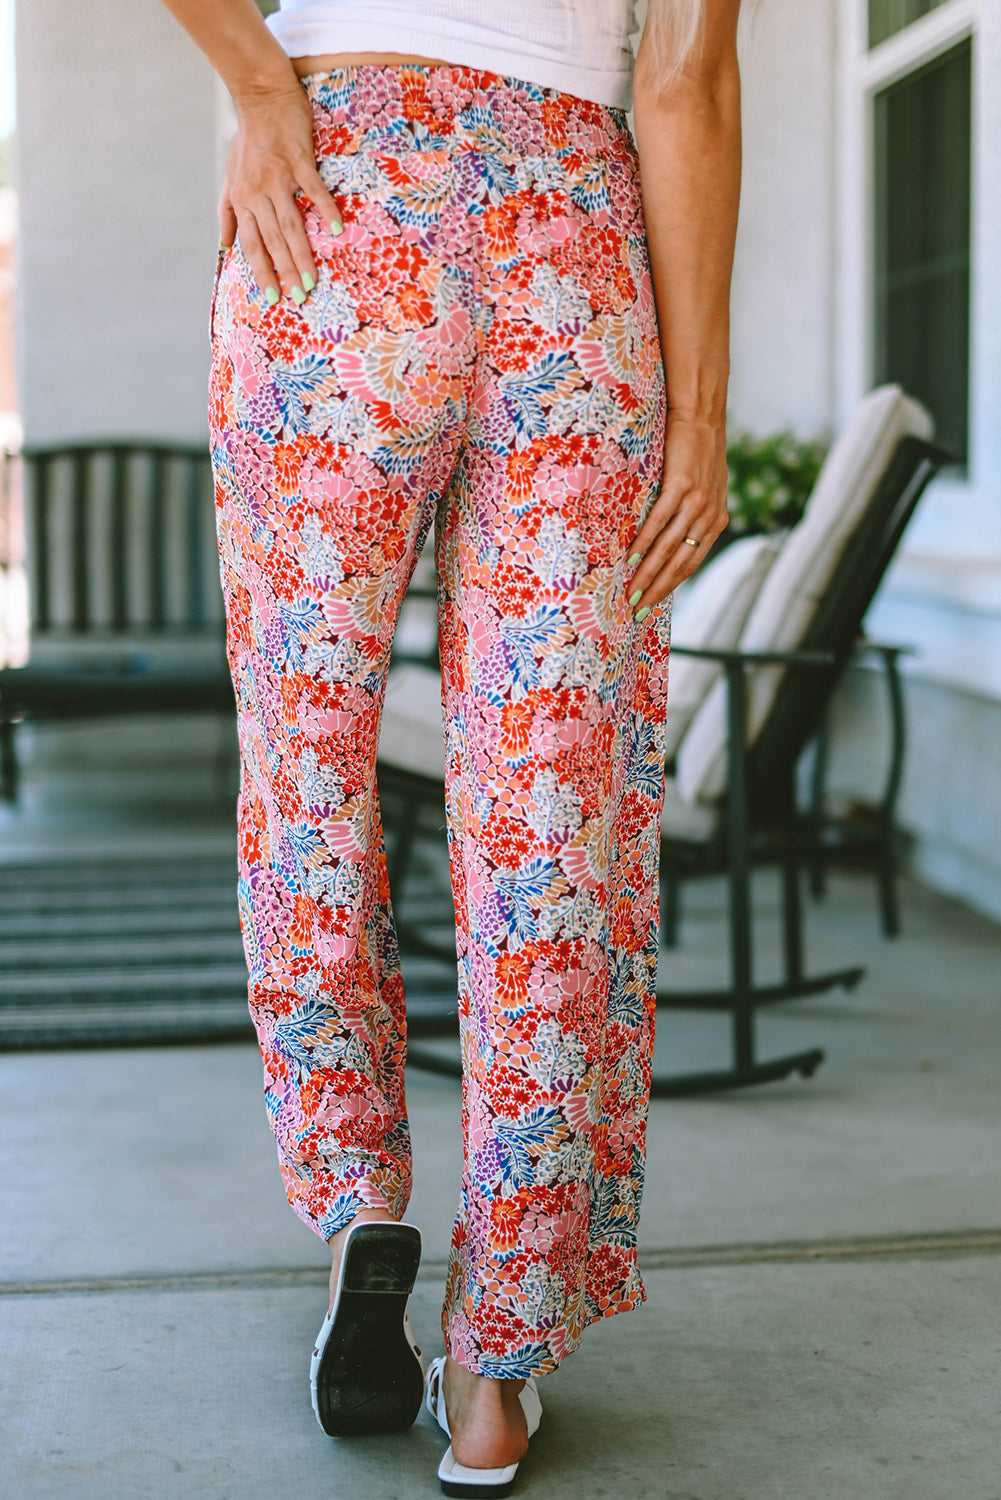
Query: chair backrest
[800, 701]
[120, 541]
[710, 612]
[819, 587]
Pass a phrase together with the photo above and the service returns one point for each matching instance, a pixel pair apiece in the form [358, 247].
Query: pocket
[220, 261]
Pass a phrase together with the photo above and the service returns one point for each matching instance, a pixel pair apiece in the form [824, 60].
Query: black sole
[369, 1379]
[476, 1491]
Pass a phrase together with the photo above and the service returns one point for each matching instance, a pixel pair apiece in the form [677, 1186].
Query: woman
[438, 299]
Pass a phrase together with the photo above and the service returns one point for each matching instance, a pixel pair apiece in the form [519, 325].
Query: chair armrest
[63, 693]
[884, 648]
[759, 658]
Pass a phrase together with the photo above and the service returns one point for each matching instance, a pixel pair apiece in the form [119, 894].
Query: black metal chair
[758, 821]
[862, 837]
[126, 612]
[411, 771]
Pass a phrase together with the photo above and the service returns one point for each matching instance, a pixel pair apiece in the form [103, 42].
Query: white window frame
[862, 74]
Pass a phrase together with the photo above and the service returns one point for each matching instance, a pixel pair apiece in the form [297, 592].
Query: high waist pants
[480, 353]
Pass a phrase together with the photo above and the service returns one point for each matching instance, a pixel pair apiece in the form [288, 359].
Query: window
[922, 239]
[886, 17]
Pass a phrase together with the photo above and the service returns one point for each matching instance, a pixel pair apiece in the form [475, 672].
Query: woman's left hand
[692, 504]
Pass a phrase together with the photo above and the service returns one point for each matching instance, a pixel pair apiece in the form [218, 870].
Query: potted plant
[771, 479]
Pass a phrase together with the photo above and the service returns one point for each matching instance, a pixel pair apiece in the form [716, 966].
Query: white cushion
[710, 610]
[411, 736]
[809, 557]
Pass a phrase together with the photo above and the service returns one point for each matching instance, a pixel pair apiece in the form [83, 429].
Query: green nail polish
[223, 245]
[336, 228]
[298, 296]
[634, 599]
[308, 282]
[641, 614]
[272, 295]
[632, 561]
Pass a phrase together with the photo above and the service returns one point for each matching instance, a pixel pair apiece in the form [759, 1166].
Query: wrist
[700, 399]
[251, 91]
[706, 419]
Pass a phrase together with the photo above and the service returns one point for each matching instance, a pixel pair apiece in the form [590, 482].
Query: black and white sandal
[456, 1479]
[367, 1374]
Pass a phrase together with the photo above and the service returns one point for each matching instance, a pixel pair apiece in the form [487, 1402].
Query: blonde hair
[672, 28]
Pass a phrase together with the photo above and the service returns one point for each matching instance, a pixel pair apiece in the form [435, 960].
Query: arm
[688, 139]
[272, 153]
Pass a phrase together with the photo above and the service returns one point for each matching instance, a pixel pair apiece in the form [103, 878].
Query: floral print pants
[480, 352]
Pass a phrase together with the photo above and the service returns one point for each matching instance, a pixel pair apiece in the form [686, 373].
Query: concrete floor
[822, 1261]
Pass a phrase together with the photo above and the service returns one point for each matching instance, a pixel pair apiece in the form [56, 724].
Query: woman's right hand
[270, 160]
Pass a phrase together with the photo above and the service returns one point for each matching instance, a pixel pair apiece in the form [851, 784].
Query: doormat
[121, 952]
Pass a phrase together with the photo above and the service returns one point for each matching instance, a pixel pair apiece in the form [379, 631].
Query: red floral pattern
[480, 352]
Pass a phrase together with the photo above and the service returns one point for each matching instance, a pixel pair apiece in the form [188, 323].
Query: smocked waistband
[439, 106]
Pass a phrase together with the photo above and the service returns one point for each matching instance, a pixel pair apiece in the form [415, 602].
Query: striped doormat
[93, 954]
[124, 952]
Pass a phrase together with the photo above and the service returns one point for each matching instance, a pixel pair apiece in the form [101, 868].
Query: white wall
[949, 799]
[944, 589]
[782, 348]
[800, 358]
[117, 176]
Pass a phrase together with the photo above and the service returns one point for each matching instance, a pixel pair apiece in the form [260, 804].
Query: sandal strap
[435, 1397]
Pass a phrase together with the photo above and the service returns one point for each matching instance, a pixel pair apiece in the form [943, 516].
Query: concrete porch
[822, 1261]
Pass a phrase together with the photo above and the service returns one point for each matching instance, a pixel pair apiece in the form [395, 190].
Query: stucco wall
[782, 348]
[116, 133]
[118, 189]
[949, 799]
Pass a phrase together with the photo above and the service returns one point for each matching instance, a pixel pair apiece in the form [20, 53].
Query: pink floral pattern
[480, 353]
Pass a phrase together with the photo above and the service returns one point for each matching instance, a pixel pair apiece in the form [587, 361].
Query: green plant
[770, 480]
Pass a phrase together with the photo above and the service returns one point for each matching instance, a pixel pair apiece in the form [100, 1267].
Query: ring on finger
[692, 541]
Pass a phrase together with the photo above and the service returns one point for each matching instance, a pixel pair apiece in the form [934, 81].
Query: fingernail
[272, 295]
[308, 282]
[335, 226]
[641, 614]
[298, 296]
[635, 598]
[632, 561]
[223, 245]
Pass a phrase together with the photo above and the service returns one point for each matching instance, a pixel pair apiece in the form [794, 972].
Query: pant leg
[555, 706]
[327, 467]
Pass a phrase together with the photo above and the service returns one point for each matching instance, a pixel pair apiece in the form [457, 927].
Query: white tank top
[540, 41]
